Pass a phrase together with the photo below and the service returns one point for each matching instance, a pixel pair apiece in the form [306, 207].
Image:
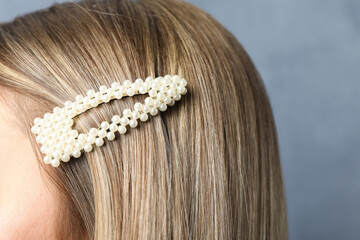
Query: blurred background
[308, 53]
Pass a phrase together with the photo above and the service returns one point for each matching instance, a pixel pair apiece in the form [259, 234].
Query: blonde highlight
[207, 168]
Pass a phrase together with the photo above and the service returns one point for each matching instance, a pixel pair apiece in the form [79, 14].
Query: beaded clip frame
[60, 141]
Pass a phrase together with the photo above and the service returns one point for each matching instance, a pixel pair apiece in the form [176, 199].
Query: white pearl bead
[122, 89]
[70, 141]
[144, 117]
[63, 111]
[158, 80]
[164, 81]
[152, 93]
[176, 78]
[56, 109]
[60, 146]
[177, 97]
[93, 131]
[139, 81]
[94, 102]
[66, 129]
[51, 142]
[161, 96]
[163, 89]
[98, 95]
[157, 103]
[110, 136]
[171, 92]
[90, 139]
[134, 85]
[135, 115]
[47, 159]
[146, 109]
[183, 82]
[163, 107]
[43, 149]
[48, 151]
[102, 133]
[82, 137]
[138, 106]
[71, 113]
[116, 119]
[127, 83]
[149, 101]
[38, 138]
[122, 129]
[124, 121]
[113, 127]
[78, 98]
[115, 85]
[76, 153]
[104, 125]
[148, 85]
[54, 137]
[110, 92]
[68, 150]
[79, 145]
[69, 122]
[133, 123]
[102, 89]
[167, 100]
[181, 89]
[105, 98]
[55, 162]
[57, 155]
[65, 158]
[127, 112]
[37, 120]
[142, 89]
[90, 92]
[118, 95]
[148, 79]
[99, 142]
[88, 148]
[154, 111]
[74, 133]
[86, 101]
[67, 104]
[154, 85]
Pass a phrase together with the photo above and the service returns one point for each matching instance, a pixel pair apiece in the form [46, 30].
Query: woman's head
[208, 167]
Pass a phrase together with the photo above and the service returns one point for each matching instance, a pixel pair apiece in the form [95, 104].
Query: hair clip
[60, 142]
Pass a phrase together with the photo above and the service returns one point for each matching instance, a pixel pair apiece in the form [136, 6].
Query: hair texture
[207, 168]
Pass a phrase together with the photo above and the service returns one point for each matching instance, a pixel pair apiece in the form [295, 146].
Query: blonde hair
[207, 168]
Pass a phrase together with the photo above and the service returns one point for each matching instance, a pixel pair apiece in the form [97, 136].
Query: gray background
[308, 53]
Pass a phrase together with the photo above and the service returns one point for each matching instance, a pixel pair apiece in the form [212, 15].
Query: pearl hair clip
[59, 141]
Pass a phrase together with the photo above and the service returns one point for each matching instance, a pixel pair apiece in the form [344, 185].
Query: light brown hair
[207, 168]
